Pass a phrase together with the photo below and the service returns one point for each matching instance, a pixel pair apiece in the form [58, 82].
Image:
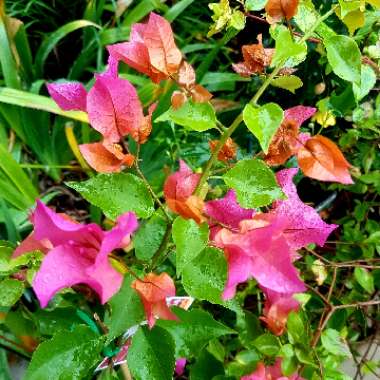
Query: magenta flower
[303, 224]
[260, 251]
[114, 110]
[276, 310]
[78, 253]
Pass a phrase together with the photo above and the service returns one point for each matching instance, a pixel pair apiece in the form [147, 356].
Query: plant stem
[147, 184]
[229, 131]
[125, 371]
[156, 257]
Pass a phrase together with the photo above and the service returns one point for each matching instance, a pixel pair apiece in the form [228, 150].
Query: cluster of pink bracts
[257, 245]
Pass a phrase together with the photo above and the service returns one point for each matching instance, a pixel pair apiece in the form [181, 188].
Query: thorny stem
[229, 131]
[151, 191]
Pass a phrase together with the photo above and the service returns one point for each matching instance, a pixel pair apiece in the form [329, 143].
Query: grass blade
[12, 169]
[50, 42]
[177, 9]
[29, 100]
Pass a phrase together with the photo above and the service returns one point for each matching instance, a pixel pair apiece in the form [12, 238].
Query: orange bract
[186, 79]
[283, 144]
[228, 151]
[256, 59]
[321, 159]
[279, 9]
[153, 290]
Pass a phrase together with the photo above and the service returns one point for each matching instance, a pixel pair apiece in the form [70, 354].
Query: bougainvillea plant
[213, 272]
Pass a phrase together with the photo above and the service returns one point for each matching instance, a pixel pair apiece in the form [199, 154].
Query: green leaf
[288, 52]
[17, 176]
[267, 344]
[193, 331]
[365, 279]
[296, 329]
[205, 367]
[205, 276]
[255, 5]
[116, 194]
[288, 82]
[196, 116]
[151, 355]
[53, 39]
[190, 239]
[149, 236]
[126, 309]
[254, 182]
[237, 20]
[263, 122]
[368, 81]
[10, 291]
[344, 57]
[39, 102]
[333, 343]
[61, 318]
[69, 355]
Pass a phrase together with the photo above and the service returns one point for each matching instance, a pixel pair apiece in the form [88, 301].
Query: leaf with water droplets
[10, 291]
[254, 182]
[193, 331]
[116, 194]
[196, 116]
[151, 355]
[125, 311]
[190, 239]
[68, 355]
[205, 276]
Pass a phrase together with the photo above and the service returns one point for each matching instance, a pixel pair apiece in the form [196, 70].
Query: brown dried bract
[256, 59]
[279, 9]
[189, 88]
[284, 143]
[228, 151]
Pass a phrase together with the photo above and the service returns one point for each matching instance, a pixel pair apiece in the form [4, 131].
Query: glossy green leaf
[151, 354]
[288, 82]
[116, 194]
[344, 57]
[196, 116]
[254, 183]
[204, 277]
[69, 355]
[332, 342]
[288, 52]
[267, 344]
[365, 279]
[190, 239]
[39, 102]
[193, 331]
[296, 329]
[263, 122]
[148, 237]
[367, 83]
[205, 367]
[10, 291]
[61, 318]
[125, 311]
